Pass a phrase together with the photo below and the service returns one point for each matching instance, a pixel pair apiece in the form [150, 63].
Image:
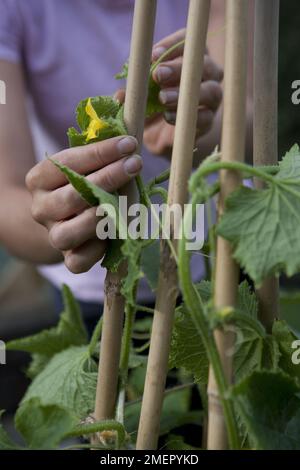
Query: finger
[168, 73]
[83, 160]
[210, 96]
[169, 98]
[83, 258]
[65, 202]
[211, 71]
[164, 44]
[72, 233]
[120, 95]
[205, 120]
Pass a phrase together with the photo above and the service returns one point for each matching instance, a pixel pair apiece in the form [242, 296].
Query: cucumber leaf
[68, 381]
[269, 406]
[263, 226]
[70, 331]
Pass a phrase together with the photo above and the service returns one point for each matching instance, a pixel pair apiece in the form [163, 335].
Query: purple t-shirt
[71, 49]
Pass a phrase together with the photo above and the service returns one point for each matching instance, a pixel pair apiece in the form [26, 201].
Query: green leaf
[187, 348]
[177, 443]
[136, 360]
[253, 351]
[69, 380]
[108, 110]
[247, 301]
[269, 406]
[82, 118]
[131, 250]
[285, 339]
[105, 106]
[175, 413]
[289, 309]
[124, 72]
[43, 427]
[150, 260]
[70, 331]
[113, 256]
[6, 443]
[75, 139]
[143, 325]
[95, 196]
[264, 226]
[154, 105]
[37, 364]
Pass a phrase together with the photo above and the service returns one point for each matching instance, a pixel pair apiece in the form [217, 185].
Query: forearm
[19, 233]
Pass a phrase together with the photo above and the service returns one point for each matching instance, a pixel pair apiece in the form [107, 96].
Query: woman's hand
[159, 132]
[71, 223]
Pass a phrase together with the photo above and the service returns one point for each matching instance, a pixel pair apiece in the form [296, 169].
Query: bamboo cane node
[215, 403]
[167, 263]
[112, 287]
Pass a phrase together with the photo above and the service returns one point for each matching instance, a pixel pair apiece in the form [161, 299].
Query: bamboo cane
[181, 167]
[134, 112]
[266, 122]
[233, 149]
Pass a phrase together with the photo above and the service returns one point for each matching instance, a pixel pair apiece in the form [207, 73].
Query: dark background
[289, 70]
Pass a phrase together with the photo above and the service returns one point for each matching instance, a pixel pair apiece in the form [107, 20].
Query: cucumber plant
[263, 404]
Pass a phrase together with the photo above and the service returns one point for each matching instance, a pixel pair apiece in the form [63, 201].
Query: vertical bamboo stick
[233, 149]
[180, 171]
[266, 121]
[134, 112]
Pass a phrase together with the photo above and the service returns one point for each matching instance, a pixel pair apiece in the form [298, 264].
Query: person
[52, 55]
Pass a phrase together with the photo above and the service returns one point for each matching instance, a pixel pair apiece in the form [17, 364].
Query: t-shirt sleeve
[10, 31]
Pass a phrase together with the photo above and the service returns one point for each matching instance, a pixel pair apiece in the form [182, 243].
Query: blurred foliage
[289, 116]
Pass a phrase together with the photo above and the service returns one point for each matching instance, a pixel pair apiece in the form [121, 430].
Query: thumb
[120, 95]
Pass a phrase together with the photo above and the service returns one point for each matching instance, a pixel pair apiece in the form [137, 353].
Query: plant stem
[142, 308]
[167, 392]
[251, 322]
[125, 354]
[175, 46]
[164, 176]
[182, 159]
[235, 166]
[95, 337]
[196, 308]
[96, 427]
[265, 135]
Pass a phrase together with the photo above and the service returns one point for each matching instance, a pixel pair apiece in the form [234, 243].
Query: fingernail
[170, 117]
[127, 145]
[163, 73]
[168, 96]
[133, 165]
[158, 52]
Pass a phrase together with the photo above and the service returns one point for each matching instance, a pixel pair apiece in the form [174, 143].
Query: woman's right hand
[71, 223]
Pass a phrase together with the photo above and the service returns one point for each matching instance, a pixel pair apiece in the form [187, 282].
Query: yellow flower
[96, 124]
